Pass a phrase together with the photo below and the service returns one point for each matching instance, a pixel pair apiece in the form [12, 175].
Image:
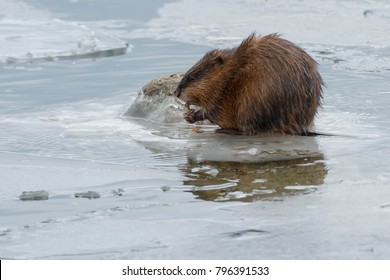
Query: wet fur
[266, 84]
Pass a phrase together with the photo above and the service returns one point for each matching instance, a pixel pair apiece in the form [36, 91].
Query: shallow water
[186, 194]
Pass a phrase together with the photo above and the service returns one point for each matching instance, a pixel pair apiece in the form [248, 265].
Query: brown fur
[266, 84]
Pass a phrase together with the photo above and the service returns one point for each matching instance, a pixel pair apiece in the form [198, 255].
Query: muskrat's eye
[192, 78]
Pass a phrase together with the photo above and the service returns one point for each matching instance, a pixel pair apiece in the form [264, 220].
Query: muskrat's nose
[177, 92]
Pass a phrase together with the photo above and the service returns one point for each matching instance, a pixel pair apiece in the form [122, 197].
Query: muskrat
[266, 84]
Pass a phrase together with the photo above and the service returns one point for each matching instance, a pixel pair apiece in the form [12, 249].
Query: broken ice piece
[88, 194]
[118, 192]
[34, 195]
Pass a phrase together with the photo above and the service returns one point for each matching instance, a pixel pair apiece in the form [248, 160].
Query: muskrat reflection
[236, 181]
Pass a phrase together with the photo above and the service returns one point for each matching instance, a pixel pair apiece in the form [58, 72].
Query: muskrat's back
[266, 84]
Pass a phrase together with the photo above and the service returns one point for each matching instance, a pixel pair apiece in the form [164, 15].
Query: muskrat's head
[202, 81]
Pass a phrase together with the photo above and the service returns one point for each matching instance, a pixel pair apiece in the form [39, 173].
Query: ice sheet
[332, 29]
[47, 37]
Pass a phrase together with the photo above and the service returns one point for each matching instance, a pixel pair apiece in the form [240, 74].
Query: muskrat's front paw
[189, 117]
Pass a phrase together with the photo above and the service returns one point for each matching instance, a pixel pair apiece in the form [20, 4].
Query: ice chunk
[34, 195]
[88, 194]
[252, 151]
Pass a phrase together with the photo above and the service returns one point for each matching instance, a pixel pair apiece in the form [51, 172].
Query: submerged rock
[34, 195]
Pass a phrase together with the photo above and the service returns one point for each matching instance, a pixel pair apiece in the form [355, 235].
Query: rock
[155, 101]
[164, 85]
[34, 195]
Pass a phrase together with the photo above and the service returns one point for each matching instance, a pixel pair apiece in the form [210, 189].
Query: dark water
[186, 194]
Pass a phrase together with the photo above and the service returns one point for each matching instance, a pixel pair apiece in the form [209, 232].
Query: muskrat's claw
[190, 116]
